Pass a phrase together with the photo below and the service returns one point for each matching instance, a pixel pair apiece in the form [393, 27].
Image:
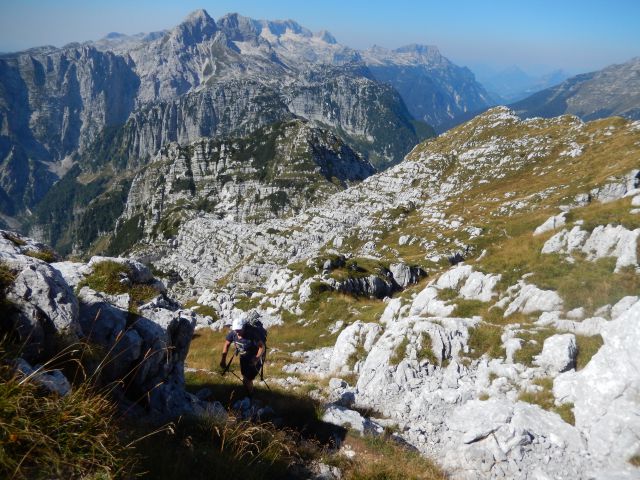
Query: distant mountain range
[614, 90]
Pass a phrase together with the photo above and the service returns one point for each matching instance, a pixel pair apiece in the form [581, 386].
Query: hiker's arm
[225, 349]
[260, 350]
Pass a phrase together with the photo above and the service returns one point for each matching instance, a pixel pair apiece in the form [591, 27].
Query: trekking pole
[264, 360]
[266, 384]
[226, 369]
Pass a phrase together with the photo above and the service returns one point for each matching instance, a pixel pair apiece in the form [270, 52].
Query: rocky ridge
[279, 170]
[497, 366]
[614, 90]
[145, 339]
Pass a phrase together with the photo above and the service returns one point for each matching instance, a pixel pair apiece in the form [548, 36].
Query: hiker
[249, 347]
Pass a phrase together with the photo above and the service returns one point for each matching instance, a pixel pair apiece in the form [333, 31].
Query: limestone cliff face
[279, 169]
[52, 103]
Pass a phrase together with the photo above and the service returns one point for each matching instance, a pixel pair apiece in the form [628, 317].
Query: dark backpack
[255, 328]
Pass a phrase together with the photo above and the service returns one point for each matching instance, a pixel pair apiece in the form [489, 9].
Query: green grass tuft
[587, 348]
[400, 352]
[544, 399]
[106, 277]
[47, 436]
[425, 352]
[44, 255]
[532, 343]
[485, 338]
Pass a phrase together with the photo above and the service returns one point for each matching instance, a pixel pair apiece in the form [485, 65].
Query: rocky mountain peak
[326, 36]
[196, 28]
[238, 28]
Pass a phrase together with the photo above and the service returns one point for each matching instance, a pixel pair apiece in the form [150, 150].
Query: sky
[537, 35]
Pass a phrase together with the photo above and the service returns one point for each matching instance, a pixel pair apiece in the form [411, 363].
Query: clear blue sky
[575, 35]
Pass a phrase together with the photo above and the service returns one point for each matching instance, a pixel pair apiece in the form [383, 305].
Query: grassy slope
[544, 183]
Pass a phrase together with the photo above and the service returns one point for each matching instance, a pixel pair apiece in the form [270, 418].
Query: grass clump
[425, 351]
[469, 308]
[200, 309]
[44, 255]
[222, 448]
[400, 352]
[247, 303]
[635, 460]
[17, 241]
[544, 398]
[588, 284]
[47, 436]
[6, 279]
[587, 348]
[383, 458]
[485, 338]
[532, 343]
[114, 278]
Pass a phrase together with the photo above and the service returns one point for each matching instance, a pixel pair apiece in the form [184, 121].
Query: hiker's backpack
[255, 328]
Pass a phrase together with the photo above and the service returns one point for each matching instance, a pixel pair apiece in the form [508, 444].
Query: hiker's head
[238, 324]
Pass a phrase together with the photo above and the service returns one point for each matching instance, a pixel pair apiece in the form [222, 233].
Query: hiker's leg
[248, 385]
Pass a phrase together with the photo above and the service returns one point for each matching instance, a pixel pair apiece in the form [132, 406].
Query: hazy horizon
[574, 36]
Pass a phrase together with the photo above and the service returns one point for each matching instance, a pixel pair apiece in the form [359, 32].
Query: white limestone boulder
[454, 277]
[52, 380]
[531, 299]
[391, 311]
[500, 439]
[343, 417]
[357, 336]
[606, 393]
[72, 272]
[282, 280]
[44, 304]
[558, 353]
[622, 306]
[428, 304]
[613, 241]
[551, 223]
[479, 286]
